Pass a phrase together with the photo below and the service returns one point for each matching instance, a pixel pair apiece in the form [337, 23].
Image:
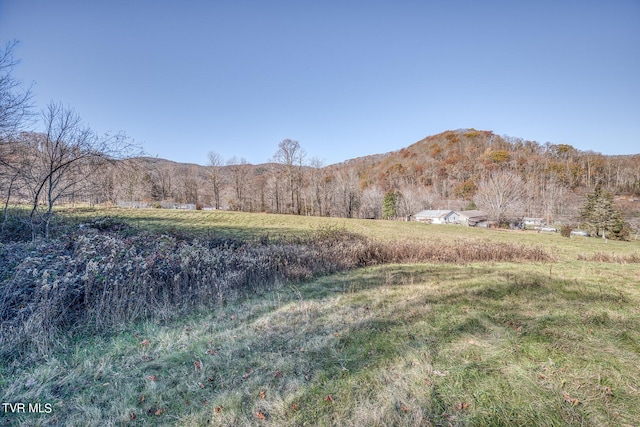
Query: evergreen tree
[390, 204]
[601, 217]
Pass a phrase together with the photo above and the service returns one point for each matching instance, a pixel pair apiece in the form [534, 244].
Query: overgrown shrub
[99, 277]
[15, 229]
[106, 223]
[95, 281]
[565, 231]
[20, 226]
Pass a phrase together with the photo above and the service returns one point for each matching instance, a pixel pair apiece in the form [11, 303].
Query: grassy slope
[251, 225]
[479, 344]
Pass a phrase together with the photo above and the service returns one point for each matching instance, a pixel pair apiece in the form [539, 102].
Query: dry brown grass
[611, 258]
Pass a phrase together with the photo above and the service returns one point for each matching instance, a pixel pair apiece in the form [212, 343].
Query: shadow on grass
[387, 320]
[396, 345]
[185, 224]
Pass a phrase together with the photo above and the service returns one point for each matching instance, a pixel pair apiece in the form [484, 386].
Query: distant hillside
[456, 156]
[440, 171]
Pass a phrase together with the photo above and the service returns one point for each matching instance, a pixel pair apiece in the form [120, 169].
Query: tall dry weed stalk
[610, 258]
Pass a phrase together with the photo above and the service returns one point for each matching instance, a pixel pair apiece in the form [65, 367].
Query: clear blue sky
[345, 78]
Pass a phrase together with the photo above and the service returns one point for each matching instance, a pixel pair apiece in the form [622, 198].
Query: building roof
[433, 213]
[473, 214]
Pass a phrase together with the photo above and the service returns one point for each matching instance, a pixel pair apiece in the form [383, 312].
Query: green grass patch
[243, 225]
[430, 344]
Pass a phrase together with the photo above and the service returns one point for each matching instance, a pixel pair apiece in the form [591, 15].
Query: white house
[435, 216]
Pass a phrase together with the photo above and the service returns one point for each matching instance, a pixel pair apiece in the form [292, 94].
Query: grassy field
[551, 344]
[255, 225]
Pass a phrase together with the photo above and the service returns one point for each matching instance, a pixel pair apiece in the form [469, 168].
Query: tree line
[523, 179]
[456, 169]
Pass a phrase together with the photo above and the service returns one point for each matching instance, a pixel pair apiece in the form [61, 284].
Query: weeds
[101, 277]
[633, 258]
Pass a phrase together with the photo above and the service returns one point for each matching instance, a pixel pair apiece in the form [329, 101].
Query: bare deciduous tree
[15, 109]
[12, 174]
[162, 181]
[500, 195]
[133, 185]
[191, 184]
[371, 204]
[551, 199]
[348, 192]
[315, 187]
[64, 157]
[15, 104]
[412, 200]
[273, 188]
[215, 176]
[291, 156]
[239, 177]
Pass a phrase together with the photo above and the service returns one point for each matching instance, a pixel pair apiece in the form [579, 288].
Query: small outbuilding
[472, 218]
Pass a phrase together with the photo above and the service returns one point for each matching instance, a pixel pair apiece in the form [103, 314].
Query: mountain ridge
[468, 132]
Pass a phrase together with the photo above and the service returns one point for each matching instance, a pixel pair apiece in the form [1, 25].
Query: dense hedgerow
[97, 279]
